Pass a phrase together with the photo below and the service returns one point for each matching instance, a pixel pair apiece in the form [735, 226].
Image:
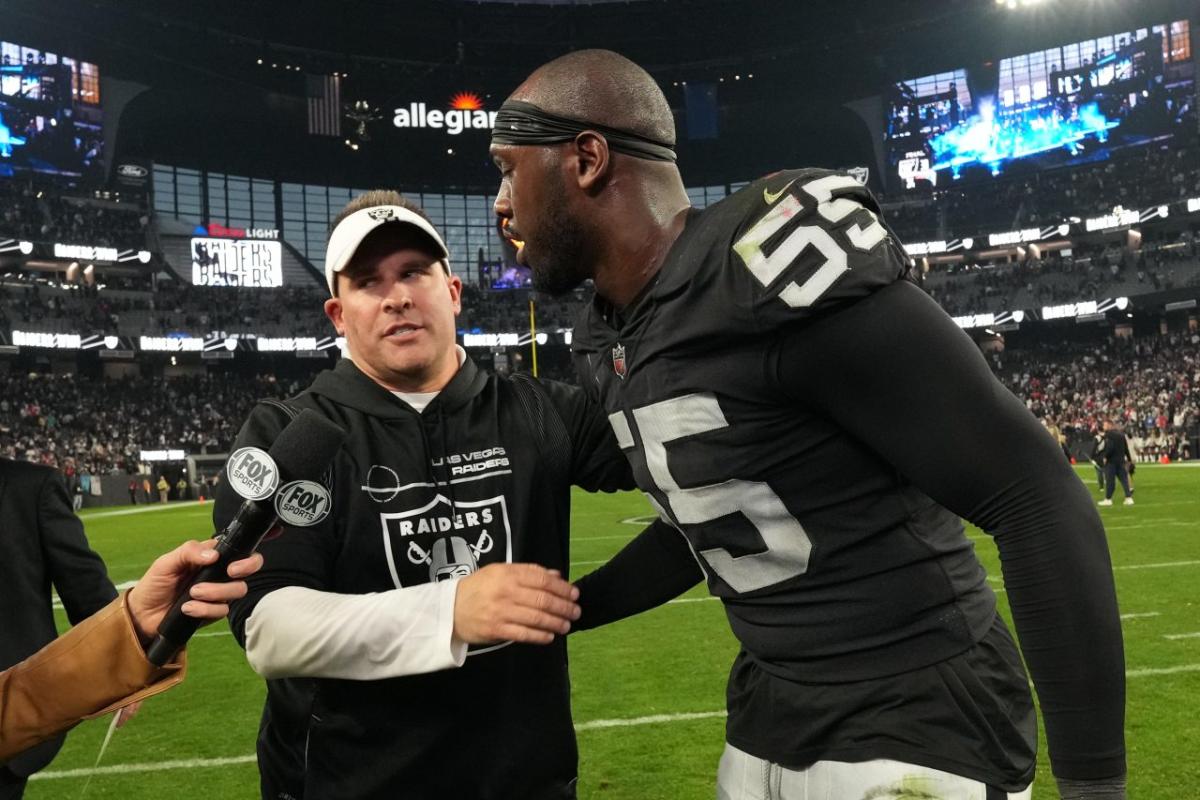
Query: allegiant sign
[465, 113]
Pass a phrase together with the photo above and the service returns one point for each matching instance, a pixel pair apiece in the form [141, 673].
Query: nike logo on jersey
[770, 197]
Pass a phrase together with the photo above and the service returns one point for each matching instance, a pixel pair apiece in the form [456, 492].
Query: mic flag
[283, 482]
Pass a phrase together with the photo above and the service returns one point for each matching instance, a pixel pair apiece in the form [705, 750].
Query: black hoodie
[485, 471]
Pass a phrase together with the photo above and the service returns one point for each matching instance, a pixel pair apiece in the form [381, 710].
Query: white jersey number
[766, 268]
[787, 545]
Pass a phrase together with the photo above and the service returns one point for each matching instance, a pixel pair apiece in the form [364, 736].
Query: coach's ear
[592, 160]
[333, 310]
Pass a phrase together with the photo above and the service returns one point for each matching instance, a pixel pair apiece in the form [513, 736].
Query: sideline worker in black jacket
[1116, 463]
[41, 543]
[417, 606]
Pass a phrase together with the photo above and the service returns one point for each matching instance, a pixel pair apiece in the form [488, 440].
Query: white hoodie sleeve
[299, 632]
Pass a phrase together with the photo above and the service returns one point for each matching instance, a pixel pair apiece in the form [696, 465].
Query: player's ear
[592, 160]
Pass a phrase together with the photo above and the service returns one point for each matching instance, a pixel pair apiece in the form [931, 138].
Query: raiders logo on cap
[381, 214]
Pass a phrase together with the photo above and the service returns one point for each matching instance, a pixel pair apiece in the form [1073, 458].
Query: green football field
[648, 692]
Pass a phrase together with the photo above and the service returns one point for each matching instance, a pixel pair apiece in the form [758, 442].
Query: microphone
[279, 486]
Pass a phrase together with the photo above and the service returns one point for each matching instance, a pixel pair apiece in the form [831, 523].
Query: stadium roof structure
[555, 2]
[226, 80]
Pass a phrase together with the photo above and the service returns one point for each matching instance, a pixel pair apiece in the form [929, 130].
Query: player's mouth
[401, 331]
[510, 233]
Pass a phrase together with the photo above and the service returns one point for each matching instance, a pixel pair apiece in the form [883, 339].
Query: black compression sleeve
[897, 373]
[656, 566]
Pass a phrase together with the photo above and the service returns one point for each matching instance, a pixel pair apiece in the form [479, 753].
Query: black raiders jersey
[799, 526]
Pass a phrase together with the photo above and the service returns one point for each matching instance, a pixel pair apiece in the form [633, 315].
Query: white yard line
[692, 599]
[596, 724]
[1159, 565]
[84, 515]
[1174, 636]
[1143, 673]
[153, 766]
[650, 720]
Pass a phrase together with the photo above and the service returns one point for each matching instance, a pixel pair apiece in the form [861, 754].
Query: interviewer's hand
[126, 713]
[514, 602]
[151, 599]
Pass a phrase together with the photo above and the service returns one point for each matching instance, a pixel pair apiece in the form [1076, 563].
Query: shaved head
[603, 87]
[588, 176]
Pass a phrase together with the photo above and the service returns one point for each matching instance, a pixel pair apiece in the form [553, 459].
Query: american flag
[324, 104]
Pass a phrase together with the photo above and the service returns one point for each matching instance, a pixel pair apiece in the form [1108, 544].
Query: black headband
[520, 123]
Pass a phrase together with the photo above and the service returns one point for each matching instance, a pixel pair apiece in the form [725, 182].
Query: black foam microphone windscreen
[282, 482]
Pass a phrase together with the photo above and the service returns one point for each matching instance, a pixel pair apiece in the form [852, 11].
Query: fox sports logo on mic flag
[252, 473]
[302, 503]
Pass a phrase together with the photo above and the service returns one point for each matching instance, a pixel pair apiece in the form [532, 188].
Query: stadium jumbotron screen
[1066, 105]
[50, 117]
[236, 262]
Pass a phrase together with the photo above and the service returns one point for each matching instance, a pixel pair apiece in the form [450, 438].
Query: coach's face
[535, 202]
[396, 307]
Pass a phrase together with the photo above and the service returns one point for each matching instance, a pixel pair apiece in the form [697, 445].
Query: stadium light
[1014, 4]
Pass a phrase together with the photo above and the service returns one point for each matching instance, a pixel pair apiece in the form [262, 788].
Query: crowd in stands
[1134, 178]
[288, 311]
[42, 212]
[1150, 387]
[102, 426]
[172, 308]
[497, 311]
[1088, 273]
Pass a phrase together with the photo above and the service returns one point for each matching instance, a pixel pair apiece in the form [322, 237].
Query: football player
[814, 425]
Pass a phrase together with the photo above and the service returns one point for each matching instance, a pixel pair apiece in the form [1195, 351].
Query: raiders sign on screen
[236, 262]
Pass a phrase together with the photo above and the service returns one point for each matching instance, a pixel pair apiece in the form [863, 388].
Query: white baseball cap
[351, 231]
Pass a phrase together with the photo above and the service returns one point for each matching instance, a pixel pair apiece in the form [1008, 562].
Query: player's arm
[597, 463]
[895, 371]
[656, 566]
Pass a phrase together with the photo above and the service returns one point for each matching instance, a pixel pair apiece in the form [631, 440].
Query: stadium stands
[1151, 386]
[1092, 271]
[102, 426]
[42, 211]
[1134, 179]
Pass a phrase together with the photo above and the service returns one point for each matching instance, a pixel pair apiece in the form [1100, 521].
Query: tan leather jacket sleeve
[93, 669]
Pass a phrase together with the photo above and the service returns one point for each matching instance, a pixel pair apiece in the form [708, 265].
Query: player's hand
[154, 594]
[514, 602]
[1107, 789]
[126, 713]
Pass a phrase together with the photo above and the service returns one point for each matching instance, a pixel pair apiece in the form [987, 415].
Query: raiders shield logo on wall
[618, 354]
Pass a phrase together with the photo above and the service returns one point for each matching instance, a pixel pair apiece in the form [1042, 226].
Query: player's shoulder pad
[813, 237]
[812, 186]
